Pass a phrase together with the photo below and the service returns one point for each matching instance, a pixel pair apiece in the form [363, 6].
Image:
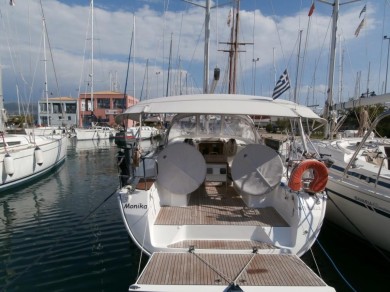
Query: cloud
[274, 41]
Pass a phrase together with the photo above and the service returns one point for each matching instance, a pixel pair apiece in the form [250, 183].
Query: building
[106, 105]
[57, 111]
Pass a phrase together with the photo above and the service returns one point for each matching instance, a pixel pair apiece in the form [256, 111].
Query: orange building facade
[103, 108]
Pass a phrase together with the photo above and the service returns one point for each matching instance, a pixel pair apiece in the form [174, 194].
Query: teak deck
[224, 269]
[218, 205]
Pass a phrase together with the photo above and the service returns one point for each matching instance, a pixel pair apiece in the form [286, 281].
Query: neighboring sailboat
[214, 207]
[359, 179]
[47, 130]
[95, 131]
[26, 157]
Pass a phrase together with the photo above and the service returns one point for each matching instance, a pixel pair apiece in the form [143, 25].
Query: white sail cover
[256, 170]
[181, 168]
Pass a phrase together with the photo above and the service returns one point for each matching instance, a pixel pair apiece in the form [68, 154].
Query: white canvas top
[231, 104]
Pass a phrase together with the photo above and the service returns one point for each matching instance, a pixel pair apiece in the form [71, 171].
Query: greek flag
[357, 31]
[363, 10]
[282, 85]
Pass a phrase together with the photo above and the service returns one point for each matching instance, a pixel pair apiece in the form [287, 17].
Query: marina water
[64, 232]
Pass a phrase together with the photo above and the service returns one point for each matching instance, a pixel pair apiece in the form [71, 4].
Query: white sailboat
[359, 179]
[48, 130]
[144, 132]
[214, 207]
[95, 131]
[26, 157]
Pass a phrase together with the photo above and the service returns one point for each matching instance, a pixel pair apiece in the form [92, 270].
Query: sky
[162, 34]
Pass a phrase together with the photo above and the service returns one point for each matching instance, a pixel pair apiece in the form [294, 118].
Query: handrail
[365, 137]
[380, 169]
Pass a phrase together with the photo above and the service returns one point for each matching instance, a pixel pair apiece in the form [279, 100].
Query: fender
[136, 157]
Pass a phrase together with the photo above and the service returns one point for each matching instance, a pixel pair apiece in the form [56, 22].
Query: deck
[224, 269]
[217, 204]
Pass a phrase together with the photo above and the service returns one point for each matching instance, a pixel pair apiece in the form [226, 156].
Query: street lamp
[254, 75]
[157, 73]
[387, 66]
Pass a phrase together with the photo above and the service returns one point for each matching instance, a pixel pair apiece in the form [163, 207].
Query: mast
[169, 66]
[233, 51]
[329, 101]
[127, 71]
[206, 60]
[92, 107]
[298, 61]
[46, 95]
[329, 127]
[206, 48]
[133, 38]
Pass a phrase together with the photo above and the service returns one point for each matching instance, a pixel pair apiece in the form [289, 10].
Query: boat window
[236, 126]
[11, 143]
[185, 127]
[212, 126]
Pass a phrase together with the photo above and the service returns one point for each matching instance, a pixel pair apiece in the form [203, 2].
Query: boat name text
[366, 202]
[136, 206]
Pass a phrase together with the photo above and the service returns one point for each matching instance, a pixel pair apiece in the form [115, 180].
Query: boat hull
[359, 208]
[24, 160]
[292, 234]
[93, 134]
[360, 197]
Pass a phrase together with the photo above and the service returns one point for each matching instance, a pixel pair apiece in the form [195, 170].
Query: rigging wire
[16, 59]
[50, 50]
[84, 53]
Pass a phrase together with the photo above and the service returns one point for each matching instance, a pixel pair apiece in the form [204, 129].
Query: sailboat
[48, 129]
[213, 206]
[359, 179]
[94, 131]
[26, 157]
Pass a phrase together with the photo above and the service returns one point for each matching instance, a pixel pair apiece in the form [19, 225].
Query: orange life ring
[320, 172]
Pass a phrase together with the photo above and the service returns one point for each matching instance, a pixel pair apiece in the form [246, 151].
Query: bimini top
[230, 104]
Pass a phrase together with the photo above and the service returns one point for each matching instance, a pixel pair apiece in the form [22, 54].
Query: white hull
[24, 159]
[144, 132]
[140, 210]
[94, 134]
[45, 131]
[358, 204]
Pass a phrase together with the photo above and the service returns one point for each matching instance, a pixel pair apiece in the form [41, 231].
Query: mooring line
[48, 251]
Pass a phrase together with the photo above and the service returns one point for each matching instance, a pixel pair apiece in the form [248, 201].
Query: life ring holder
[320, 173]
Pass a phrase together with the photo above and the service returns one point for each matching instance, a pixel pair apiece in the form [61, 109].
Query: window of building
[71, 108]
[119, 103]
[103, 103]
[57, 108]
[43, 107]
[69, 118]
